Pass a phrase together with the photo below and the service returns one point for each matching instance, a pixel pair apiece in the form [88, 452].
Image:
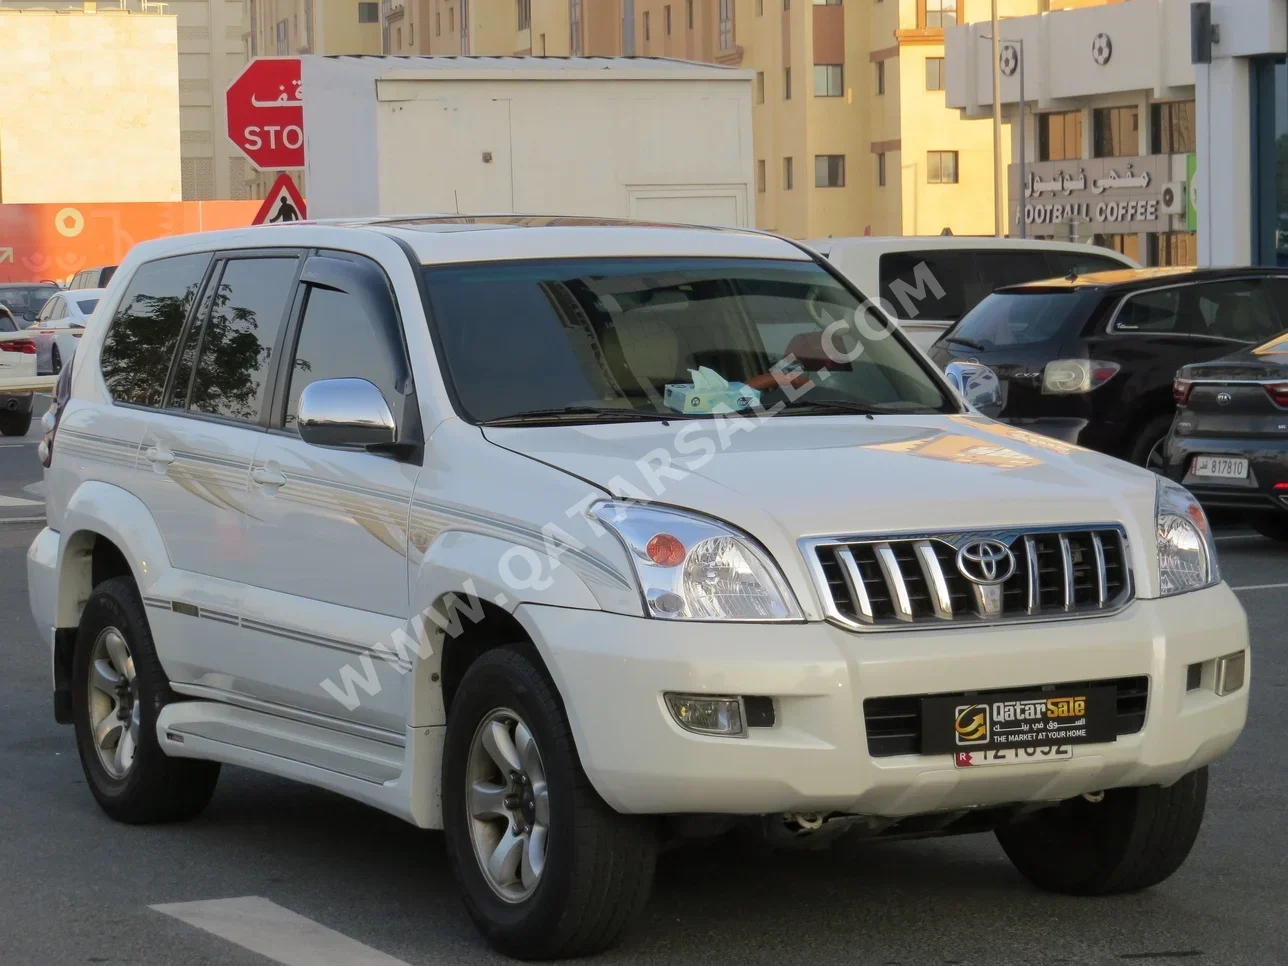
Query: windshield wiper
[842, 406]
[573, 413]
[968, 343]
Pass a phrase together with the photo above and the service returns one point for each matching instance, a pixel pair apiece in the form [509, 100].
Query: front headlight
[1186, 549]
[694, 568]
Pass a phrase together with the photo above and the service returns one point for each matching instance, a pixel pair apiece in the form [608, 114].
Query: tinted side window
[1001, 268]
[339, 340]
[1152, 312]
[7, 324]
[241, 329]
[145, 329]
[1240, 309]
[927, 285]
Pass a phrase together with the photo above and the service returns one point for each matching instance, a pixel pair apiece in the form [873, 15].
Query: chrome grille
[915, 580]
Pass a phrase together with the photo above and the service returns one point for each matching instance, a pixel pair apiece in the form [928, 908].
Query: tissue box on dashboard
[688, 398]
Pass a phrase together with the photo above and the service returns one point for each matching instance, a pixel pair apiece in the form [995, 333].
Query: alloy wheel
[114, 708]
[508, 805]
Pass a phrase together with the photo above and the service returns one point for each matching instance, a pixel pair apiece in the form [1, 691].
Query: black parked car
[1091, 359]
[1229, 443]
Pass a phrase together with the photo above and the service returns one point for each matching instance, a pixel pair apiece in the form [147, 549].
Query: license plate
[1012, 756]
[1224, 467]
[1011, 720]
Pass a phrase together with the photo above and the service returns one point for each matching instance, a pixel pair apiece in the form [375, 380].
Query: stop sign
[266, 113]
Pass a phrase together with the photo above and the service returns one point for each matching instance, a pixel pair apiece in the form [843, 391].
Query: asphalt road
[77, 888]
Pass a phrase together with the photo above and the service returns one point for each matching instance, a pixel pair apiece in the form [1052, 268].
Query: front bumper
[612, 672]
[1267, 465]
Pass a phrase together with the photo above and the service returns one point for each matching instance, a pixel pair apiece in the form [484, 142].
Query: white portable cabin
[632, 137]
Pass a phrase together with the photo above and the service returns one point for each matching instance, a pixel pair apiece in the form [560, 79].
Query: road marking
[280, 935]
[22, 520]
[18, 501]
[1260, 587]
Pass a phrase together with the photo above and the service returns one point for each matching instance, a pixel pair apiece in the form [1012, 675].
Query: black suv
[1091, 359]
[1229, 444]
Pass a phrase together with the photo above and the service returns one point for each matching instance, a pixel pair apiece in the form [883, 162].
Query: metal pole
[1021, 221]
[998, 204]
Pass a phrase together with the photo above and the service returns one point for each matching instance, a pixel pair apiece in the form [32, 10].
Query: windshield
[1021, 318]
[627, 336]
[26, 299]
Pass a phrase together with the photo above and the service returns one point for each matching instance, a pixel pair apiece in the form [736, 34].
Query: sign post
[265, 111]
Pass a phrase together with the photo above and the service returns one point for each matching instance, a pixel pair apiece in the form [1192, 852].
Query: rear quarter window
[144, 331]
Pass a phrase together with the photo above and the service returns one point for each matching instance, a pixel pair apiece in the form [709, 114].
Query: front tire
[1147, 446]
[547, 869]
[15, 423]
[1133, 839]
[118, 690]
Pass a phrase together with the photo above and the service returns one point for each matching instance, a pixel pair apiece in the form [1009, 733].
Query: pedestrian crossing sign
[283, 203]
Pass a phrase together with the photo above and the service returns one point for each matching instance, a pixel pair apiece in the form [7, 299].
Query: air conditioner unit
[1174, 198]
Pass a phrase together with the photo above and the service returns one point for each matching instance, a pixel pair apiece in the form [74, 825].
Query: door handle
[263, 476]
[159, 457]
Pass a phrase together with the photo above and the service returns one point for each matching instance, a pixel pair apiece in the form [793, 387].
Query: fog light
[1229, 672]
[707, 716]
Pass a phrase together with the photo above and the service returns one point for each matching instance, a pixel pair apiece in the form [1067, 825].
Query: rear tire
[15, 423]
[595, 866]
[116, 726]
[1133, 839]
[1147, 446]
[1274, 527]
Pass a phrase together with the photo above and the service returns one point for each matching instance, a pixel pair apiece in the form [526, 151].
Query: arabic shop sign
[1111, 195]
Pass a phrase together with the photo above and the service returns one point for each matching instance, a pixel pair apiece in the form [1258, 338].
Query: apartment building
[89, 108]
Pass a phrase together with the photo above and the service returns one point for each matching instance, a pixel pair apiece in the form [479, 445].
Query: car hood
[794, 477]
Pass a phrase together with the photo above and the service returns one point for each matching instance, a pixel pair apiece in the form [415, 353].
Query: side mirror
[978, 385]
[345, 412]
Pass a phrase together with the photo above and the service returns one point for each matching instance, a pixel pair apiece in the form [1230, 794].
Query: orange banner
[54, 242]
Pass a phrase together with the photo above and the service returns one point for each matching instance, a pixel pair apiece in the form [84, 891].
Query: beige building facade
[89, 106]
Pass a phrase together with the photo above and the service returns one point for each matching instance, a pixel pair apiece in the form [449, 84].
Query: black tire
[15, 423]
[1146, 438]
[1274, 527]
[599, 864]
[1133, 839]
[155, 788]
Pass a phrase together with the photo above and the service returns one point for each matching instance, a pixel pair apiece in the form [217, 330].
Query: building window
[881, 169]
[648, 32]
[787, 4]
[941, 167]
[465, 27]
[880, 77]
[829, 80]
[308, 26]
[281, 38]
[726, 24]
[574, 27]
[760, 176]
[451, 19]
[1128, 245]
[829, 171]
[940, 13]
[760, 8]
[1170, 248]
[787, 174]
[827, 3]
[787, 83]
[1060, 136]
[1116, 132]
[666, 19]
[543, 45]
[398, 42]
[525, 14]
[760, 87]
[934, 73]
[1173, 129]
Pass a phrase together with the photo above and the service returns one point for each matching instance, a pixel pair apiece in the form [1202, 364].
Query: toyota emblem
[986, 562]
[1224, 398]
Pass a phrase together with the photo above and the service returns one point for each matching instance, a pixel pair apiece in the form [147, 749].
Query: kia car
[1090, 359]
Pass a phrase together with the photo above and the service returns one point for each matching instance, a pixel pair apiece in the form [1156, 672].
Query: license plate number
[1224, 467]
[1012, 756]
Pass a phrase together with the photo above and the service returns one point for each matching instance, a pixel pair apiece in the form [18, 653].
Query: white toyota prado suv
[570, 537]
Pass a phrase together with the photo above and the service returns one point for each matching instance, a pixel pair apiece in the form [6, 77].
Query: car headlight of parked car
[1186, 549]
[692, 567]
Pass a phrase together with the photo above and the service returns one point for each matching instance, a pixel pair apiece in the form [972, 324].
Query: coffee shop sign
[1107, 210]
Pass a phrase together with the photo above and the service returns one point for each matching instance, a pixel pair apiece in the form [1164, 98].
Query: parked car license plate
[1224, 467]
[1011, 720]
[1012, 756]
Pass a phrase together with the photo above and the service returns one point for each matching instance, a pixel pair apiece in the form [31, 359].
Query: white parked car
[17, 372]
[930, 282]
[458, 519]
[59, 327]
